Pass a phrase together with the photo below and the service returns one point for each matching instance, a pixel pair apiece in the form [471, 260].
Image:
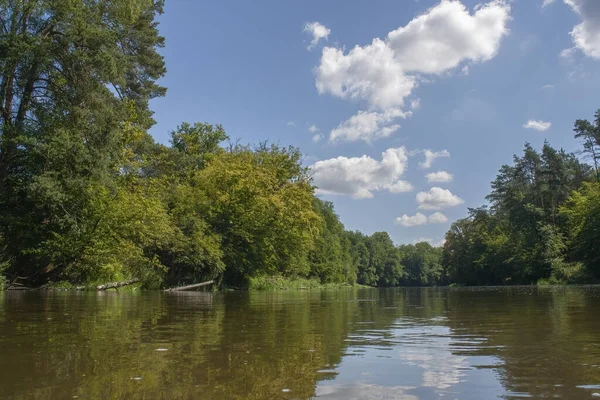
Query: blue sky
[384, 81]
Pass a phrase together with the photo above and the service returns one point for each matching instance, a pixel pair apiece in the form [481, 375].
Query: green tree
[73, 75]
[589, 133]
[583, 220]
[384, 259]
[330, 260]
[261, 205]
[422, 264]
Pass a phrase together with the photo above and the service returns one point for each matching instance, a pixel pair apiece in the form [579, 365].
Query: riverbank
[296, 283]
[262, 283]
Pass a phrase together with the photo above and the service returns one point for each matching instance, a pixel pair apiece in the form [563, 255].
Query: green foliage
[589, 133]
[75, 77]
[422, 264]
[260, 204]
[279, 282]
[582, 212]
[532, 231]
[330, 259]
[378, 261]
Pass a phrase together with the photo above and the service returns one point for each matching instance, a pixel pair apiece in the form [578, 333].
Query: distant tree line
[87, 195]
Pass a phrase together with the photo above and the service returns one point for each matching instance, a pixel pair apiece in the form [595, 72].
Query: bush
[290, 283]
[564, 273]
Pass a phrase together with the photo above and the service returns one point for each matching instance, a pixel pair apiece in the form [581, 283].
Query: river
[404, 343]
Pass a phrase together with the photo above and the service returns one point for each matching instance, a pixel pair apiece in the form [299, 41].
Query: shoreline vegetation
[88, 197]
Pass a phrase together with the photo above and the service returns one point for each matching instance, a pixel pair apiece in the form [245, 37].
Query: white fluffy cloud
[359, 177]
[385, 72]
[368, 126]
[547, 3]
[440, 176]
[586, 35]
[430, 157]
[400, 187]
[437, 198]
[437, 218]
[313, 128]
[539, 126]
[317, 31]
[415, 220]
[420, 219]
[317, 138]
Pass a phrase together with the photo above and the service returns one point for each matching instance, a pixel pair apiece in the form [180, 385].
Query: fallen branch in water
[189, 287]
[16, 286]
[117, 284]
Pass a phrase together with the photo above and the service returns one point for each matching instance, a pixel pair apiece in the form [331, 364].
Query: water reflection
[352, 344]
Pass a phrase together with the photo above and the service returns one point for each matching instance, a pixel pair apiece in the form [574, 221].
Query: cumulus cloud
[421, 219]
[400, 187]
[313, 128]
[440, 176]
[368, 126]
[586, 35]
[317, 138]
[431, 156]
[359, 177]
[317, 31]
[539, 126]
[547, 3]
[437, 198]
[290, 123]
[386, 71]
[437, 218]
[415, 220]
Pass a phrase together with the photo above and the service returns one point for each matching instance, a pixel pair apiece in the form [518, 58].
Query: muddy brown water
[404, 343]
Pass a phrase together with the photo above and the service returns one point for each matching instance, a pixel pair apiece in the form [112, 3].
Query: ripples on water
[521, 342]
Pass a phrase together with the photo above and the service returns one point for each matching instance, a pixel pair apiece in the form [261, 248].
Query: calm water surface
[351, 344]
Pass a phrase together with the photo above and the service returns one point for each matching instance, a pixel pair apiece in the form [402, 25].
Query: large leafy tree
[75, 76]
[261, 204]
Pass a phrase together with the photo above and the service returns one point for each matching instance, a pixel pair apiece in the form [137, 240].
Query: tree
[73, 77]
[261, 205]
[384, 260]
[583, 220]
[360, 256]
[330, 260]
[422, 264]
[589, 133]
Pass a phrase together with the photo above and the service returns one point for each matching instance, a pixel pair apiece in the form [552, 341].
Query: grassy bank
[292, 283]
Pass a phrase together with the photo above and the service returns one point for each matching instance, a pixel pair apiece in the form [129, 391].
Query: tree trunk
[189, 287]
